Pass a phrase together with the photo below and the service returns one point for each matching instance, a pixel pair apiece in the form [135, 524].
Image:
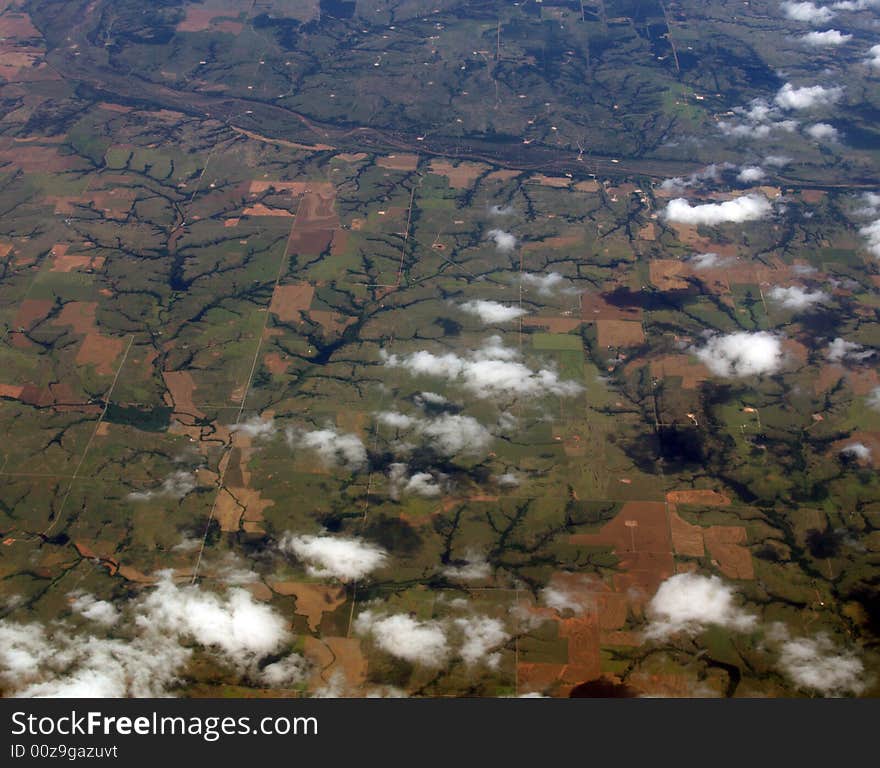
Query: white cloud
[508, 480]
[287, 672]
[491, 312]
[794, 297]
[816, 664]
[547, 284]
[871, 233]
[873, 399]
[709, 261]
[749, 174]
[740, 209]
[420, 484]
[807, 97]
[742, 354]
[419, 642]
[855, 5]
[160, 625]
[482, 634]
[334, 448]
[448, 433]
[822, 132]
[777, 161]
[808, 12]
[431, 398]
[826, 38]
[841, 350]
[491, 371]
[874, 56]
[177, 485]
[255, 427]
[474, 568]
[689, 602]
[504, 241]
[99, 611]
[858, 450]
[711, 173]
[560, 599]
[338, 557]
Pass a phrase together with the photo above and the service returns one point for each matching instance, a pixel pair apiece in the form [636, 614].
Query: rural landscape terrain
[439, 348]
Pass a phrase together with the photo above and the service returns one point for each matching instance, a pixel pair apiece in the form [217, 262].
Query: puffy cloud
[742, 354]
[334, 448]
[738, 210]
[874, 56]
[709, 260]
[777, 161]
[481, 635]
[689, 602]
[794, 297]
[841, 350]
[560, 599]
[873, 400]
[89, 607]
[491, 371]
[448, 433]
[761, 118]
[284, 673]
[710, 173]
[508, 480]
[177, 485]
[504, 241]
[855, 5]
[808, 12]
[420, 484]
[816, 664]
[419, 642]
[871, 233]
[491, 312]
[826, 38]
[859, 451]
[431, 399]
[161, 624]
[255, 427]
[822, 132]
[749, 174]
[547, 284]
[807, 97]
[234, 623]
[338, 557]
[474, 568]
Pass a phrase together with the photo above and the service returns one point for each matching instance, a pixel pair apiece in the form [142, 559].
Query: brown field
[813, 196]
[557, 182]
[259, 209]
[290, 301]
[594, 307]
[560, 241]
[30, 311]
[181, 387]
[35, 158]
[278, 142]
[691, 373]
[538, 677]
[640, 538]
[312, 600]
[17, 26]
[620, 333]
[553, 324]
[648, 232]
[201, 19]
[318, 208]
[275, 364]
[100, 351]
[726, 546]
[706, 498]
[584, 659]
[79, 315]
[12, 391]
[460, 176]
[503, 175]
[669, 274]
[312, 242]
[5, 250]
[398, 162]
[351, 157]
[687, 539]
[68, 262]
[588, 186]
[861, 380]
[333, 656]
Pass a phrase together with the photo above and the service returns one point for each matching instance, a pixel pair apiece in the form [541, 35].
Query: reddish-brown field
[290, 301]
[620, 333]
